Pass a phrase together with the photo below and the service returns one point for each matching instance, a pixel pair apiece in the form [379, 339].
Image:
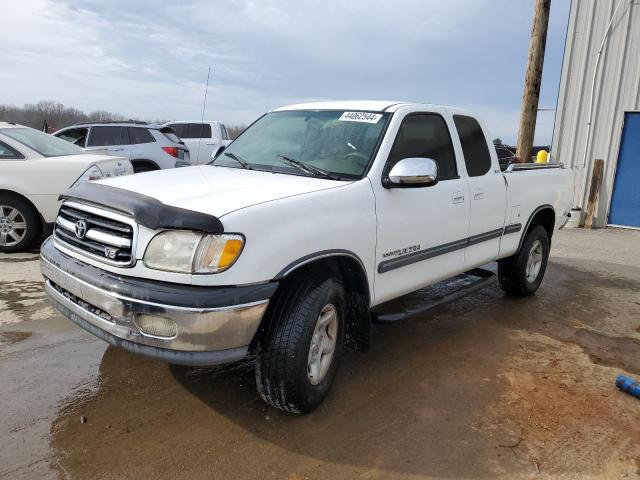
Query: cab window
[199, 130]
[477, 158]
[425, 135]
[180, 129]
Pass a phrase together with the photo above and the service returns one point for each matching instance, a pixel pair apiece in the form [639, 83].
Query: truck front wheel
[522, 274]
[299, 351]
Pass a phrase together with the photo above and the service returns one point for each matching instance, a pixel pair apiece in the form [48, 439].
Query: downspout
[591, 101]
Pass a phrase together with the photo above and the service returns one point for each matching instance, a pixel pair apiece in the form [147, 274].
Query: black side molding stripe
[483, 237]
[420, 255]
[513, 228]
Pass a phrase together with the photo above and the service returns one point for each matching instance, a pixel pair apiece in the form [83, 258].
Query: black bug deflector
[145, 210]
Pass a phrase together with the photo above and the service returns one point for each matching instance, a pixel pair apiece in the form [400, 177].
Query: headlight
[192, 252]
[91, 173]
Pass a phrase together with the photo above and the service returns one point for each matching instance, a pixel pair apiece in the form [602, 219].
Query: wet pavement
[487, 387]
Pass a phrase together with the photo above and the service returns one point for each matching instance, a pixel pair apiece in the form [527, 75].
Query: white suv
[148, 147]
[204, 139]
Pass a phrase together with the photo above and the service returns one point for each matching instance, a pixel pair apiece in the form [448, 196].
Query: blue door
[625, 201]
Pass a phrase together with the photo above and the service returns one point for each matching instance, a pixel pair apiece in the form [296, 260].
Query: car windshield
[330, 143]
[43, 143]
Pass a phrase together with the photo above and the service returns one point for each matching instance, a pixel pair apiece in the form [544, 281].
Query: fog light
[157, 326]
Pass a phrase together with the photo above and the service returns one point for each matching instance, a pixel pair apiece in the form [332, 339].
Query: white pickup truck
[205, 140]
[286, 244]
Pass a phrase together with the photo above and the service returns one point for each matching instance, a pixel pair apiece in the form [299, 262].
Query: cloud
[150, 60]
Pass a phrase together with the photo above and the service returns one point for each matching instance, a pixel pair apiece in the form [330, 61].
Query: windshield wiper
[238, 159]
[305, 167]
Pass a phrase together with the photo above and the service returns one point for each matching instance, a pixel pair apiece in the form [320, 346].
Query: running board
[425, 299]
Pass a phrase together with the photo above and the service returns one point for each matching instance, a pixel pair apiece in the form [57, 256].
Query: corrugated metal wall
[617, 90]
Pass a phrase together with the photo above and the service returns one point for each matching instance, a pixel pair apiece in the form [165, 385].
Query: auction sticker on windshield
[365, 117]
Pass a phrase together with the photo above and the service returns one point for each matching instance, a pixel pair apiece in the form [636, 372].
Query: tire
[15, 211]
[285, 373]
[514, 274]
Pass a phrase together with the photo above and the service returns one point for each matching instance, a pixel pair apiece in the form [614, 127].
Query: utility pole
[532, 80]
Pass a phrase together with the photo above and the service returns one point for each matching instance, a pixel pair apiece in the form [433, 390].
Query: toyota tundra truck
[284, 247]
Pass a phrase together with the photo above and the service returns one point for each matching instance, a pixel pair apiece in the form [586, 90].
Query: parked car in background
[506, 155]
[35, 168]
[298, 233]
[204, 139]
[148, 147]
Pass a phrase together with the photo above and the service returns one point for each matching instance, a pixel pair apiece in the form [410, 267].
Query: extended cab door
[421, 232]
[487, 190]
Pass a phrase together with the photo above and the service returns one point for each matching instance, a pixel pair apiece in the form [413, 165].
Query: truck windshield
[331, 143]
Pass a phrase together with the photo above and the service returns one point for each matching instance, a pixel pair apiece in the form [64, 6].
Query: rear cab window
[180, 129]
[477, 158]
[425, 135]
[199, 130]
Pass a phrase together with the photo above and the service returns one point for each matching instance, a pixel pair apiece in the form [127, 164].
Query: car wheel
[19, 224]
[522, 274]
[300, 349]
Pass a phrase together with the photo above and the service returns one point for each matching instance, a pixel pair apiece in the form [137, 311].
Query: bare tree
[56, 116]
[235, 130]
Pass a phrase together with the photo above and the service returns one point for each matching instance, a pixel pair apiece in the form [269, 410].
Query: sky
[150, 59]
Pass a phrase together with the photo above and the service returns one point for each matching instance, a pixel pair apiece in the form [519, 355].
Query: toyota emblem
[81, 229]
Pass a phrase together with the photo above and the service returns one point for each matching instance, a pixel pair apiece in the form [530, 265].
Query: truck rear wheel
[298, 354]
[522, 274]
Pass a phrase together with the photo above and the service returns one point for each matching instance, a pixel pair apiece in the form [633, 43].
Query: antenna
[204, 107]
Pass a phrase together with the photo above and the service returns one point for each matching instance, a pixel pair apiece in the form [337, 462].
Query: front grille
[97, 233]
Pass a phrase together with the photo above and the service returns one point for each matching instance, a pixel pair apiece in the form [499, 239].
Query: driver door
[421, 232]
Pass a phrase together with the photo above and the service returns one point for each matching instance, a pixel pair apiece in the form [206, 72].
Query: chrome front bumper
[205, 335]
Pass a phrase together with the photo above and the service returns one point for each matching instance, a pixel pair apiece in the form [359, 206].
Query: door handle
[478, 195]
[458, 197]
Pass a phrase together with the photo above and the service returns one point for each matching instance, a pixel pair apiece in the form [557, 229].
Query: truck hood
[218, 190]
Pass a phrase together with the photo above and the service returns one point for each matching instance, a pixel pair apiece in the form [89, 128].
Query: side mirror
[412, 173]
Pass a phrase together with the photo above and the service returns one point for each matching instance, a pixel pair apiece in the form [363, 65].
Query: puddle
[18, 259]
[20, 300]
[14, 337]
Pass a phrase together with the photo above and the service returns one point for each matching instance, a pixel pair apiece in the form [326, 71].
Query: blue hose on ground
[629, 385]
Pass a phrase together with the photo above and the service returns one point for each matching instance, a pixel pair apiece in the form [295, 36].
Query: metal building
[598, 113]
